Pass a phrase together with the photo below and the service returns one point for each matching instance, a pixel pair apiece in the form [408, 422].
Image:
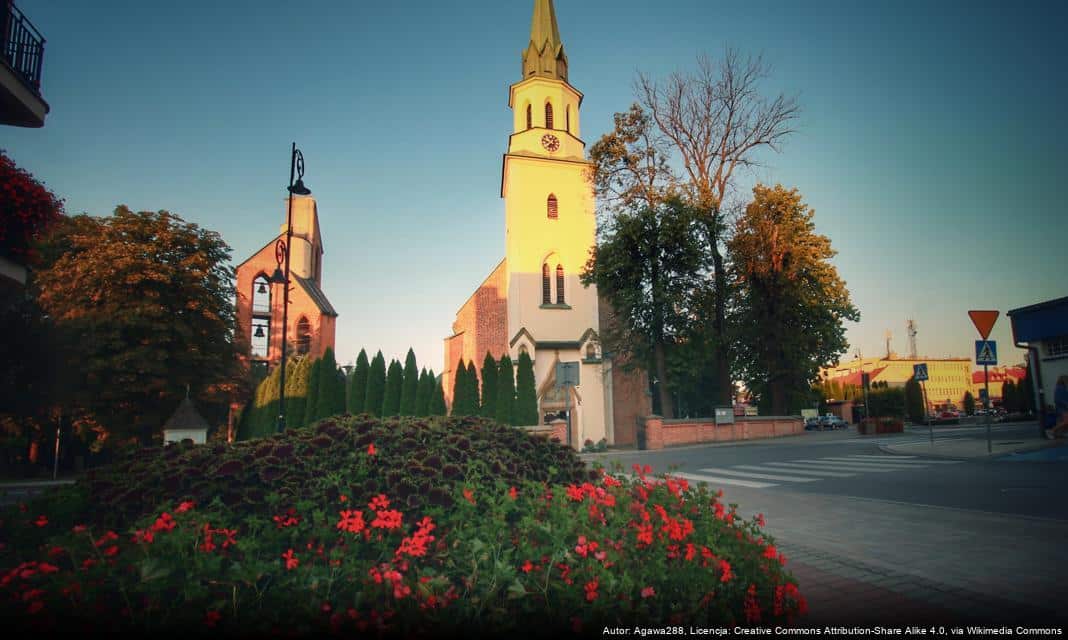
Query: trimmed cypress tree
[459, 390]
[331, 396]
[526, 395]
[376, 386]
[422, 394]
[437, 398]
[410, 385]
[489, 387]
[296, 391]
[311, 410]
[505, 391]
[392, 397]
[474, 403]
[358, 384]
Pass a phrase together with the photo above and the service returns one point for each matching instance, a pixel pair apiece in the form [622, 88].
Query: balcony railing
[23, 45]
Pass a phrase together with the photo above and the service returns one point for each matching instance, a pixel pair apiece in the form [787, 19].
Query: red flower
[725, 568]
[760, 520]
[527, 566]
[770, 552]
[343, 498]
[292, 562]
[46, 568]
[142, 536]
[164, 523]
[379, 502]
[288, 519]
[212, 618]
[591, 590]
[575, 493]
[648, 592]
[469, 496]
[106, 538]
[371, 449]
[351, 521]
[387, 520]
[41, 521]
[512, 493]
[111, 551]
[182, 508]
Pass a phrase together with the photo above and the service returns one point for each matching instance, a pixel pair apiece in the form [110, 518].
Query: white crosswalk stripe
[718, 480]
[905, 460]
[888, 461]
[829, 466]
[863, 466]
[759, 476]
[822, 474]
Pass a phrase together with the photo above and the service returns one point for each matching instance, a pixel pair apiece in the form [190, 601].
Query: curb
[892, 449]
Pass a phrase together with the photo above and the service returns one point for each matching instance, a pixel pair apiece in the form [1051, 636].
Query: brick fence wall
[660, 433]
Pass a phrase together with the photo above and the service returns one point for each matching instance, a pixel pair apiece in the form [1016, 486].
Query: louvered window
[567, 118]
[548, 115]
[559, 284]
[530, 117]
[546, 294]
[552, 206]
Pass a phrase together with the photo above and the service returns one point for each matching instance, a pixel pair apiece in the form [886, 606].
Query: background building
[948, 378]
[1043, 330]
[998, 377]
[312, 319]
[21, 62]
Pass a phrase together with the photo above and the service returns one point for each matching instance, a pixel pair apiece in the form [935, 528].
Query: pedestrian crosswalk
[805, 470]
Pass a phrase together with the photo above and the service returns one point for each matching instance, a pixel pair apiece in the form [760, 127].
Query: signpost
[567, 376]
[919, 371]
[986, 353]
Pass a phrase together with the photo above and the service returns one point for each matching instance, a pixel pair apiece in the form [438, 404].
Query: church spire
[544, 55]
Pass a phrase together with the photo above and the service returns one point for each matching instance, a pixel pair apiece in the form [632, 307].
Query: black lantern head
[299, 189]
[278, 277]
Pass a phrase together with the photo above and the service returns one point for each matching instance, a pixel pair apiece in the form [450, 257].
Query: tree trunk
[667, 410]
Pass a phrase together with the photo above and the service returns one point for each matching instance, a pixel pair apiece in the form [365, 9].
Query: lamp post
[281, 254]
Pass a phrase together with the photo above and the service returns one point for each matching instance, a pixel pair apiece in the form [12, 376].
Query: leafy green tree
[791, 304]
[489, 387]
[297, 373]
[392, 397]
[914, 401]
[1009, 399]
[358, 384]
[886, 403]
[460, 396]
[376, 386]
[969, 403]
[526, 403]
[410, 385]
[437, 398]
[151, 298]
[506, 391]
[315, 382]
[649, 264]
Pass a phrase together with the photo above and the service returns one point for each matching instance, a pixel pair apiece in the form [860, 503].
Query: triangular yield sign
[984, 321]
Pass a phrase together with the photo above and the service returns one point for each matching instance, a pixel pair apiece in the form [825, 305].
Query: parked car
[812, 424]
[831, 421]
[838, 423]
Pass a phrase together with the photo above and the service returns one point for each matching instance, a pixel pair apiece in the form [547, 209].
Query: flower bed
[496, 557]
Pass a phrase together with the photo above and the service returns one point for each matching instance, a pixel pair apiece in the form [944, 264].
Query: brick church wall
[481, 326]
[631, 401]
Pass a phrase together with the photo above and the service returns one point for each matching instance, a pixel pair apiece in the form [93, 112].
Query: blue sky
[931, 143]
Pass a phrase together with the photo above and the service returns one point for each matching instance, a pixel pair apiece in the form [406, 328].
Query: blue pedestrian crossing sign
[919, 371]
[986, 352]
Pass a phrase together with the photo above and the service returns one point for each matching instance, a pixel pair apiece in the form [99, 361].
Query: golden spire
[544, 55]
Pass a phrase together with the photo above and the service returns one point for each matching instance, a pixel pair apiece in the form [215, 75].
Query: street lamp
[281, 255]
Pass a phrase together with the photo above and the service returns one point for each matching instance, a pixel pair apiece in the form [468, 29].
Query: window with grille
[548, 115]
[553, 207]
[303, 336]
[546, 294]
[1057, 347]
[261, 294]
[530, 117]
[559, 284]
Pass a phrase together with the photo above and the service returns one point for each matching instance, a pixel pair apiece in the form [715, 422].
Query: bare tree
[717, 120]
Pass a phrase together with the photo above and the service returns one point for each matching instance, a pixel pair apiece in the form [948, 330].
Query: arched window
[261, 337]
[552, 207]
[559, 284]
[591, 351]
[548, 115]
[567, 118]
[530, 117]
[546, 294]
[261, 294]
[523, 349]
[303, 336]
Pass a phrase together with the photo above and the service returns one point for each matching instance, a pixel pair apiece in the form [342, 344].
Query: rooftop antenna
[911, 325]
[889, 336]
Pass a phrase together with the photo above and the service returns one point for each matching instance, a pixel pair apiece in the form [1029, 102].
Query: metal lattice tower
[911, 325]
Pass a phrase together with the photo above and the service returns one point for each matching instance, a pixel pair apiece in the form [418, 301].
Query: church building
[312, 318]
[533, 301]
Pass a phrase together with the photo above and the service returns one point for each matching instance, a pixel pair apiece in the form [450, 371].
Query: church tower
[550, 229]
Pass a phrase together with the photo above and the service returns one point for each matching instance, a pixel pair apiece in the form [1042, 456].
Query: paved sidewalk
[972, 448]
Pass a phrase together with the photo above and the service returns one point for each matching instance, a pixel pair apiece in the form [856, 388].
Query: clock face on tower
[550, 142]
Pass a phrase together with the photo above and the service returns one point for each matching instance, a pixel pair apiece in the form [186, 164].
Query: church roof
[543, 27]
[317, 295]
[186, 416]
